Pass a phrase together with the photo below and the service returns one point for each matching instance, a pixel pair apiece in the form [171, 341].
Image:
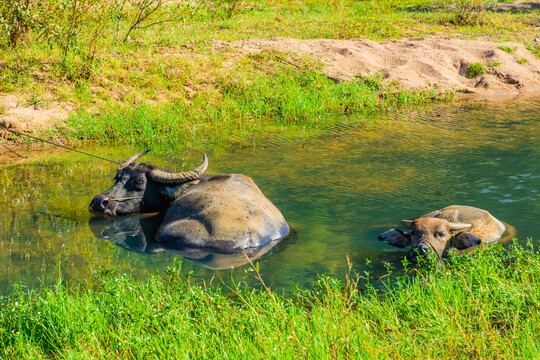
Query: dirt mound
[420, 63]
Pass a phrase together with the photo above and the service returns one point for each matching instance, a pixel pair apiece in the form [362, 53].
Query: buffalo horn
[124, 164]
[454, 226]
[179, 178]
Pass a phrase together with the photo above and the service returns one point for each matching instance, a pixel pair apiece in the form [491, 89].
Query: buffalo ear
[455, 226]
[407, 223]
[465, 240]
[174, 192]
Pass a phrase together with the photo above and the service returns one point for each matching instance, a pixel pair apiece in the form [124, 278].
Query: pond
[338, 190]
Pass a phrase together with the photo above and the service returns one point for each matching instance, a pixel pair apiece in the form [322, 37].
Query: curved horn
[454, 226]
[179, 178]
[124, 164]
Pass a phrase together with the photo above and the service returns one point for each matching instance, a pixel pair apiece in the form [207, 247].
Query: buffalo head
[142, 188]
[431, 234]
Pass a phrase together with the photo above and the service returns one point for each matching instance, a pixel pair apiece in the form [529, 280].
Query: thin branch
[157, 23]
[143, 15]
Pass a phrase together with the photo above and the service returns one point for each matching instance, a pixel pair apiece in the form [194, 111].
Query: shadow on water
[338, 188]
[137, 234]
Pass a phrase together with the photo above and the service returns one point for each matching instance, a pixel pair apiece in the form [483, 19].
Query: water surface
[338, 190]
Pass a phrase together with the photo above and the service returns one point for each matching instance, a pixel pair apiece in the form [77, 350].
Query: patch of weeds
[82, 91]
[506, 49]
[468, 12]
[495, 63]
[225, 9]
[34, 100]
[372, 82]
[475, 69]
[534, 48]
[522, 60]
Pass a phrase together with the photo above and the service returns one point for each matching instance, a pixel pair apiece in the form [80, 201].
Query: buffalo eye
[140, 183]
[439, 234]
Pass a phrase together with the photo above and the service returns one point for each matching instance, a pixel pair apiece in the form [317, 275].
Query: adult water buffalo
[458, 227]
[222, 212]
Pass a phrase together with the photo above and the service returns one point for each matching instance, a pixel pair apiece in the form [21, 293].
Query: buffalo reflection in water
[137, 234]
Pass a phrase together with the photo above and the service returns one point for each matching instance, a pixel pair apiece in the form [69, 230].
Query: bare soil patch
[24, 115]
[419, 63]
[516, 6]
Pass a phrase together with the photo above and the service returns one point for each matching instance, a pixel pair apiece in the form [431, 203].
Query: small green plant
[534, 48]
[475, 69]
[468, 12]
[495, 63]
[225, 9]
[34, 100]
[372, 82]
[522, 60]
[506, 49]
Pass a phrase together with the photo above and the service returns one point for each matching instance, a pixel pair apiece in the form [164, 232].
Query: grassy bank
[153, 71]
[483, 306]
[293, 99]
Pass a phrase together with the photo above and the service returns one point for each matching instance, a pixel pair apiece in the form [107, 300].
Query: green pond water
[338, 190]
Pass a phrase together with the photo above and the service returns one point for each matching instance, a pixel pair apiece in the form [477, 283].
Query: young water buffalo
[453, 227]
[224, 212]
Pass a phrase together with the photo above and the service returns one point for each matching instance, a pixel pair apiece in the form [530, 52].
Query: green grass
[481, 306]
[495, 63]
[506, 49]
[282, 98]
[522, 60]
[534, 48]
[475, 69]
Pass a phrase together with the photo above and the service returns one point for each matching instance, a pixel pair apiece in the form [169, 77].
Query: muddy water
[338, 190]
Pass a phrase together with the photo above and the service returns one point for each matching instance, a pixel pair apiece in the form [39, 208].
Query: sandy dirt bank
[419, 63]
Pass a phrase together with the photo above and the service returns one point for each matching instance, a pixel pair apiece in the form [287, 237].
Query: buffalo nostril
[418, 250]
[422, 249]
[99, 202]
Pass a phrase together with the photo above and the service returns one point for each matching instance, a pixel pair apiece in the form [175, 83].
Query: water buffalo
[222, 212]
[458, 227]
